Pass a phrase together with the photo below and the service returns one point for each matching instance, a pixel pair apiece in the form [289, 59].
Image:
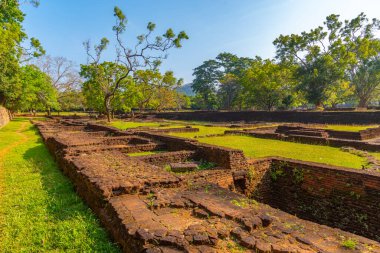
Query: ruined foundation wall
[224, 157]
[334, 196]
[166, 158]
[4, 116]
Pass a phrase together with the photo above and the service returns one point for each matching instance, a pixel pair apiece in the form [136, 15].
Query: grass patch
[376, 155]
[133, 124]
[349, 128]
[257, 148]
[130, 124]
[144, 153]
[39, 210]
[349, 244]
[203, 130]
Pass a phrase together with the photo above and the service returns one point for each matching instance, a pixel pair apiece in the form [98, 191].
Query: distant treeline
[334, 64]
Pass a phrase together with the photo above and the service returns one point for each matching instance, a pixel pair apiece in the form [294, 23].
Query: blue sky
[243, 27]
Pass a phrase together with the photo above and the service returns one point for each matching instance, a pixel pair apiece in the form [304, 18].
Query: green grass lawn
[256, 148]
[376, 155]
[129, 124]
[144, 153]
[203, 130]
[349, 128]
[39, 210]
[133, 124]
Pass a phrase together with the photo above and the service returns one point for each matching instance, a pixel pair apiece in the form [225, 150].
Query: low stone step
[183, 167]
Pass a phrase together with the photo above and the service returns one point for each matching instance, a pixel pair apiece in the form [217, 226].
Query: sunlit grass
[129, 124]
[39, 210]
[257, 148]
[349, 128]
[144, 153]
[376, 155]
[203, 131]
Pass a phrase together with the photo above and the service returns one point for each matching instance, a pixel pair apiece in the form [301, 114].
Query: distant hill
[186, 89]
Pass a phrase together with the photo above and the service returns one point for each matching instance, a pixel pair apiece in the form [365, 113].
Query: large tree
[267, 85]
[66, 80]
[155, 90]
[101, 81]
[318, 65]
[146, 53]
[206, 82]
[366, 81]
[361, 50]
[212, 76]
[36, 91]
[327, 55]
[12, 54]
[230, 92]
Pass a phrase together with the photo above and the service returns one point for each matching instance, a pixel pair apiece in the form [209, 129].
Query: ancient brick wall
[372, 117]
[4, 116]
[99, 127]
[334, 196]
[370, 133]
[147, 209]
[167, 157]
[228, 158]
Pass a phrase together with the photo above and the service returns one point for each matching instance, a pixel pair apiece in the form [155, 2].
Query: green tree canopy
[36, 91]
[147, 53]
[12, 53]
[268, 85]
[209, 77]
[327, 55]
[101, 83]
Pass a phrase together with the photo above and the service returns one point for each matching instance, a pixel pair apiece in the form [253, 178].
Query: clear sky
[243, 27]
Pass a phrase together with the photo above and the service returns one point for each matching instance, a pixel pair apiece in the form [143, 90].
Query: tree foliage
[12, 54]
[327, 55]
[214, 76]
[36, 91]
[268, 85]
[147, 53]
[337, 63]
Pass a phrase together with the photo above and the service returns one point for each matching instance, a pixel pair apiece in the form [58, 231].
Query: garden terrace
[148, 209]
[368, 139]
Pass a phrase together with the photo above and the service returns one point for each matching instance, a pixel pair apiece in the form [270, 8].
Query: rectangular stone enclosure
[192, 197]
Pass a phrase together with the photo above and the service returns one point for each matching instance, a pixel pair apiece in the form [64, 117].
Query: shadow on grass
[63, 204]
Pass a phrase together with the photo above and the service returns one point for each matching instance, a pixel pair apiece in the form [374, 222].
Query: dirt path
[23, 139]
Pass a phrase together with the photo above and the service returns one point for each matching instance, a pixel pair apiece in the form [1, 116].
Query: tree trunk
[319, 106]
[363, 103]
[10, 114]
[107, 105]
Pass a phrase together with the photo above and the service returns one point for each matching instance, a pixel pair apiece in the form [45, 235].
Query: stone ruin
[235, 205]
[368, 139]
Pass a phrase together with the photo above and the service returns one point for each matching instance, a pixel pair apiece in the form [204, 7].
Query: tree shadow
[63, 204]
